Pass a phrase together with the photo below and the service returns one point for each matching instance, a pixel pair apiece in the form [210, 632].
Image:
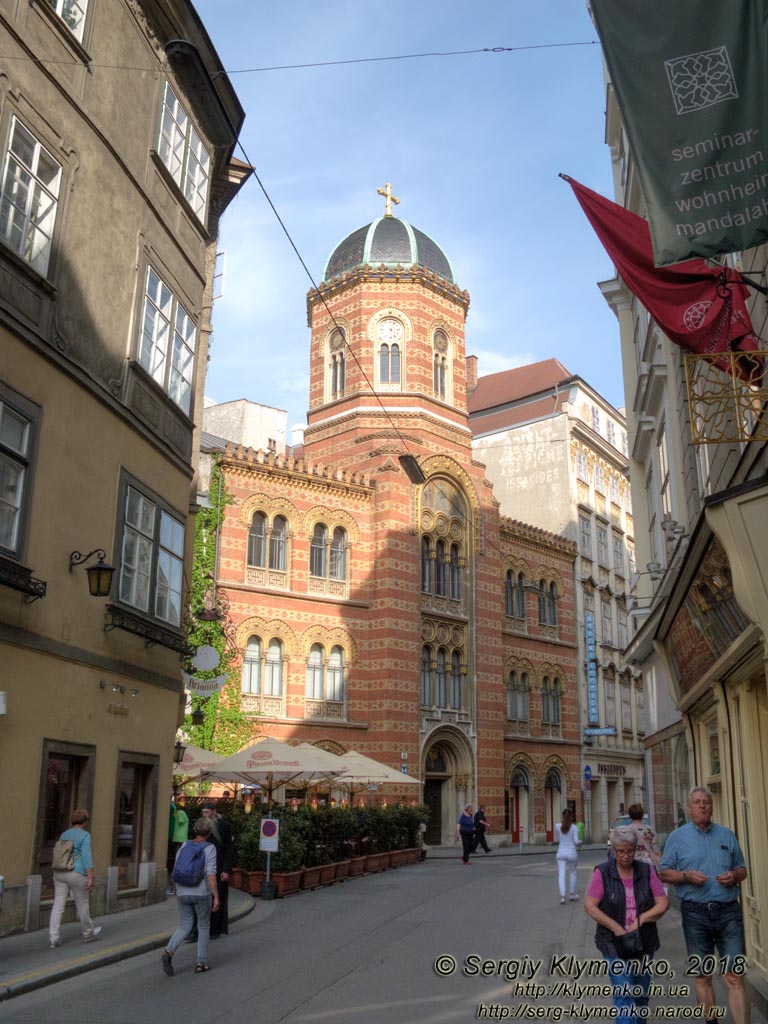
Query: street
[373, 949]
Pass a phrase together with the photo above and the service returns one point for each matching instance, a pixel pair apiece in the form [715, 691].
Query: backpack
[63, 855]
[189, 869]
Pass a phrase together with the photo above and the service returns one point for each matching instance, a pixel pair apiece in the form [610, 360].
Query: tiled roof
[500, 389]
[490, 423]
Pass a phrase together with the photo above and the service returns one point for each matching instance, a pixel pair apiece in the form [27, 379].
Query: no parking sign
[269, 839]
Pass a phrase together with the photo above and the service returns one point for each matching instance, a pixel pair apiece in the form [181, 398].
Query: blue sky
[472, 145]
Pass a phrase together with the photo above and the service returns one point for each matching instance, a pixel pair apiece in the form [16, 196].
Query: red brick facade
[376, 609]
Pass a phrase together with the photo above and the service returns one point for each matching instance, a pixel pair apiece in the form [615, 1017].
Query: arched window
[257, 536]
[338, 362]
[520, 596]
[389, 364]
[517, 697]
[317, 550]
[277, 543]
[339, 554]
[273, 669]
[440, 561]
[554, 701]
[455, 573]
[442, 688]
[512, 687]
[315, 673]
[426, 675]
[440, 371]
[542, 601]
[522, 698]
[552, 604]
[427, 566]
[455, 680]
[251, 677]
[546, 705]
[335, 682]
[509, 593]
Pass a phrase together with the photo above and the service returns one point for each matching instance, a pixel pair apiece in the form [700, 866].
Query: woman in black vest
[626, 899]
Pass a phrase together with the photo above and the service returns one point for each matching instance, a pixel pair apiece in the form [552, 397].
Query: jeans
[566, 866]
[194, 912]
[710, 925]
[63, 883]
[623, 1000]
[467, 842]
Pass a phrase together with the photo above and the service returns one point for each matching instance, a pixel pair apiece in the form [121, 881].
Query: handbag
[629, 946]
[63, 855]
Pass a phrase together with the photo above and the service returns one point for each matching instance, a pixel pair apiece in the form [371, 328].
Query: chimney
[471, 373]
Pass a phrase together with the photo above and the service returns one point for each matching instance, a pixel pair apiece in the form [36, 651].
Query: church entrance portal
[433, 799]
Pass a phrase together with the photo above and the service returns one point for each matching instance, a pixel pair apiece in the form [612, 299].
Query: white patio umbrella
[271, 762]
[195, 760]
[364, 772]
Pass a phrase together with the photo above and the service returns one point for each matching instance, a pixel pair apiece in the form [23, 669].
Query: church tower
[387, 351]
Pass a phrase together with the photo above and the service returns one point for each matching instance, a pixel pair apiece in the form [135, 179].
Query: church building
[379, 600]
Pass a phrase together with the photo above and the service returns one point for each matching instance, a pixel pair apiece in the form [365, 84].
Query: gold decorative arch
[436, 466]
[328, 638]
[522, 760]
[332, 518]
[517, 565]
[553, 671]
[266, 629]
[386, 313]
[555, 761]
[331, 746]
[271, 507]
[519, 665]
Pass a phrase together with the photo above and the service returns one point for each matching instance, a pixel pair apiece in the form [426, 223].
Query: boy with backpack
[194, 873]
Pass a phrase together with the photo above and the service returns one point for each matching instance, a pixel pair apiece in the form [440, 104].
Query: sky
[472, 145]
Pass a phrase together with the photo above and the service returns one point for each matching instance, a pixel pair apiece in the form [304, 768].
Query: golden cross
[387, 193]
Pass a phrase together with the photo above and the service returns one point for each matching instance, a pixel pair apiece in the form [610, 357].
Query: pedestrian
[78, 880]
[567, 839]
[648, 848]
[194, 892]
[709, 902]
[465, 830]
[223, 839]
[626, 898]
[481, 824]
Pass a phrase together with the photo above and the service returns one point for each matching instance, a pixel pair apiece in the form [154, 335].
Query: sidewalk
[26, 963]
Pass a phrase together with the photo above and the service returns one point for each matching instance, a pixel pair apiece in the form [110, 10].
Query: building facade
[556, 453]
[368, 603]
[699, 472]
[113, 182]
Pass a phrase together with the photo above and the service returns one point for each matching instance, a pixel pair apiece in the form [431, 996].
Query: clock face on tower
[390, 329]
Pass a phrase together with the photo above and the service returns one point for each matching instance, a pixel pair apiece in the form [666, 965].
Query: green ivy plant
[226, 729]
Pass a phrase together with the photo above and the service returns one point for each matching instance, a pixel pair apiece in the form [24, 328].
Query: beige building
[699, 472]
[112, 183]
[556, 453]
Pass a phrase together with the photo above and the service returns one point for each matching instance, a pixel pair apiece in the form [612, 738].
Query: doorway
[433, 798]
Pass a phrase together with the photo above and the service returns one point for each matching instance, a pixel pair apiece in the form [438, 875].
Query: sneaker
[574, 897]
[54, 944]
[94, 934]
[562, 899]
[165, 960]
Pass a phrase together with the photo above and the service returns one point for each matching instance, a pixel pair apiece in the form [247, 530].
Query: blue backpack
[189, 869]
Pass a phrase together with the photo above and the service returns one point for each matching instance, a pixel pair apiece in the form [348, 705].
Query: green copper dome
[390, 241]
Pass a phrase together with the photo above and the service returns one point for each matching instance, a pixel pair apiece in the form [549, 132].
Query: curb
[40, 977]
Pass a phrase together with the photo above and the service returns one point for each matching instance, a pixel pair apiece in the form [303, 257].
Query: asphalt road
[373, 951]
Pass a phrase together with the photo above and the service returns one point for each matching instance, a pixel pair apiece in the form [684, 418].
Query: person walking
[194, 896]
[626, 898]
[78, 881]
[648, 849]
[481, 825]
[223, 839]
[704, 862]
[465, 830]
[567, 839]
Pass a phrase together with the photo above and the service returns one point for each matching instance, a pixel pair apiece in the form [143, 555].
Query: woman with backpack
[73, 872]
[194, 873]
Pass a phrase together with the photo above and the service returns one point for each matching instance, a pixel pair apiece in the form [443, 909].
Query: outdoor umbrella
[194, 761]
[364, 772]
[271, 763]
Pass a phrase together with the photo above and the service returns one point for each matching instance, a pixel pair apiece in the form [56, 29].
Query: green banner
[691, 84]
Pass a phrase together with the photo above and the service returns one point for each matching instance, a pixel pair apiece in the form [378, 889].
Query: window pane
[314, 690]
[251, 676]
[182, 360]
[273, 674]
[277, 544]
[394, 365]
[336, 674]
[339, 554]
[257, 540]
[317, 551]
[14, 430]
[11, 490]
[29, 197]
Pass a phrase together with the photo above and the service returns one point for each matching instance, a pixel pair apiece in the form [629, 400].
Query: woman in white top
[568, 840]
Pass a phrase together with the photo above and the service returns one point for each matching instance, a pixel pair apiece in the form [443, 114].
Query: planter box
[413, 855]
[342, 870]
[356, 866]
[376, 862]
[252, 881]
[327, 874]
[398, 857]
[286, 882]
[236, 878]
[311, 877]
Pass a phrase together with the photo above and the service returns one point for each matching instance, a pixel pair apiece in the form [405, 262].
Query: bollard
[521, 837]
[2, 887]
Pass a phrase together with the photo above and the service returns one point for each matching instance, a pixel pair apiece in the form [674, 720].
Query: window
[338, 363]
[615, 493]
[29, 198]
[610, 702]
[440, 566]
[618, 553]
[339, 554]
[16, 435]
[167, 344]
[277, 538]
[554, 702]
[509, 593]
[273, 669]
[582, 467]
[626, 707]
[151, 564]
[251, 675]
[455, 568]
[335, 675]
[317, 550]
[631, 556]
[600, 479]
[610, 427]
[607, 620]
[543, 593]
[441, 680]
[602, 545]
[625, 444]
[427, 565]
[455, 681]
[314, 689]
[325, 677]
[622, 622]
[546, 702]
[426, 675]
[389, 364]
[585, 535]
[595, 418]
[72, 13]
[552, 605]
[640, 707]
[664, 490]
[182, 151]
[257, 537]
[517, 697]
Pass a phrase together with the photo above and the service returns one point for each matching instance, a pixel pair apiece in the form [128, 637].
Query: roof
[389, 241]
[523, 412]
[501, 389]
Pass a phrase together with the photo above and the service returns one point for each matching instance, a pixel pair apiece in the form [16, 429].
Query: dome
[390, 241]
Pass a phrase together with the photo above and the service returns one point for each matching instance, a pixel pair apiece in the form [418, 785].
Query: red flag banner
[699, 307]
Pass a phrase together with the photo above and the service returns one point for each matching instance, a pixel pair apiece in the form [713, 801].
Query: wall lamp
[179, 751]
[412, 469]
[99, 575]
[198, 717]
[119, 688]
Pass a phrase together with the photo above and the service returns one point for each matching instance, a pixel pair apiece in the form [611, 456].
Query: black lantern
[178, 752]
[99, 575]
[198, 716]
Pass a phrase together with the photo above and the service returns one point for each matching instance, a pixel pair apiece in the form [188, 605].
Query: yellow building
[112, 185]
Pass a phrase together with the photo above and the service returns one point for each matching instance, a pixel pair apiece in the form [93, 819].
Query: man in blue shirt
[705, 864]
